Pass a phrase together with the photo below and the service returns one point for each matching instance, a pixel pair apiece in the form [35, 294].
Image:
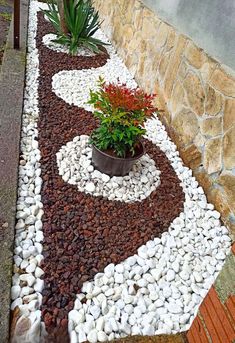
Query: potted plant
[116, 143]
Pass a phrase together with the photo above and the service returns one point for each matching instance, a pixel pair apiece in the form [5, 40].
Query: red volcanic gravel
[82, 233]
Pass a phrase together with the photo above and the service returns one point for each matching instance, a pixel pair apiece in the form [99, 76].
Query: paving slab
[11, 102]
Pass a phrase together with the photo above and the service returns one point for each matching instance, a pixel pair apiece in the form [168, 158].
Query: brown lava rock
[82, 233]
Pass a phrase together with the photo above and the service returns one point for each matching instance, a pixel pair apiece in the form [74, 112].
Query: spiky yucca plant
[78, 26]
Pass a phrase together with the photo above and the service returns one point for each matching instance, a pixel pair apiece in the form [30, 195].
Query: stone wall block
[166, 119]
[125, 6]
[137, 19]
[186, 125]
[161, 35]
[217, 197]
[129, 11]
[227, 180]
[212, 161]
[149, 28]
[127, 37]
[223, 82]
[229, 148]
[131, 62]
[178, 98]
[116, 30]
[129, 33]
[207, 69]
[195, 93]
[229, 114]
[174, 63]
[140, 68]
[164, 62]
[134, 44]
[214, 101]
[183, 69]
[211, 126]
[156, 58]
[191, 156]
[203, 179]
[148, 75]
[105, 10]
[170, 42]
[195, 56]
[118, 37]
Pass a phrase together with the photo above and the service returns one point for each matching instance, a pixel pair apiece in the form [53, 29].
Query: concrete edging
[12, 77]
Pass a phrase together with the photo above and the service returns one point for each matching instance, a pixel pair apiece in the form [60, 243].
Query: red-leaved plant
[122, 112]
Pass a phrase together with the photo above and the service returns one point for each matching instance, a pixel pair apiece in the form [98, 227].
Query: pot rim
[121, 158]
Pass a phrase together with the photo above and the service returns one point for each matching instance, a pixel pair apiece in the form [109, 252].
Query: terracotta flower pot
[112, 165]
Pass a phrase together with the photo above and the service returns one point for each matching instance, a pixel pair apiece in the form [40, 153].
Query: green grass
[6, 16]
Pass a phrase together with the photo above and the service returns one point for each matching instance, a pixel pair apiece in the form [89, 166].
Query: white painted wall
[210, 23]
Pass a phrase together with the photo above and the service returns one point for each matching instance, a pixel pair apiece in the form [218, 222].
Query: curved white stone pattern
[74, 86]
[48, 41]
[159, 289]
[75, 167]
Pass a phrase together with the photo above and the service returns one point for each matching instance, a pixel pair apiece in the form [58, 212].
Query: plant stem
[63, 25]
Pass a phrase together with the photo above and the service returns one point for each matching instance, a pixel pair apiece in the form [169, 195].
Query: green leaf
[82, 22]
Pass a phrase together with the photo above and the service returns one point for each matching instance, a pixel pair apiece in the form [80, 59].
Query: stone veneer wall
[196, 94]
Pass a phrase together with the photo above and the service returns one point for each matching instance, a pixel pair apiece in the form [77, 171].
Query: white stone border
[73, 86]
[27, 287]
[48, 42]
[74, 164]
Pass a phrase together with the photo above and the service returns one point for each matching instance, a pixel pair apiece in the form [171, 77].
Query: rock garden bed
[99, 257]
